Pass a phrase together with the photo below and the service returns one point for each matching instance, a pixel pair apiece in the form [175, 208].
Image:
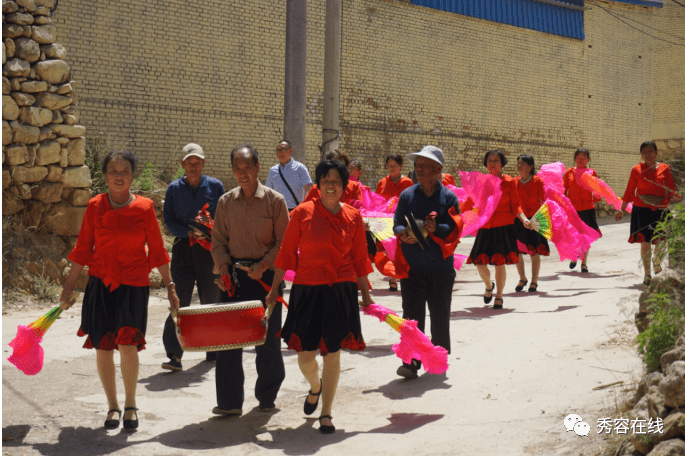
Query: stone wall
[44, 179]
[213, 73]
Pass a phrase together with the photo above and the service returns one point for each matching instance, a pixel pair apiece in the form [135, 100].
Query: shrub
[146, 179]
[663, 331]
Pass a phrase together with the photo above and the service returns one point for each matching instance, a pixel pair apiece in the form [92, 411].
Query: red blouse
[112, 243]
[531, 194]
[638, 183]
[388, 189]
[581, 199]
[333, 248]
[447, 179]
[351, 192]
[508, 207]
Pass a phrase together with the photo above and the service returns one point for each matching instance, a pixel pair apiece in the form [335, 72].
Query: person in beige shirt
[249, 226]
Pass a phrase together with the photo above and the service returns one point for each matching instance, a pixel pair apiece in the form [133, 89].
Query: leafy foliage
[663, 331]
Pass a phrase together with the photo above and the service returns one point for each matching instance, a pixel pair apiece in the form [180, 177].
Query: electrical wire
[678, 3]
[646, 25]
[635, 28]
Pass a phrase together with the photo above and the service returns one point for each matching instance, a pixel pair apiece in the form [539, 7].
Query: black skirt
[110, 318]
[533, 240]
[588, 217]
[323, 317]
[494, 246]
[643, 223]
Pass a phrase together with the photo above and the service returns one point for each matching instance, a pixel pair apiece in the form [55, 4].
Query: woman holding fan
[531, 194]
[495, 241]
[650, 188]
[112, 242]
[582, 199]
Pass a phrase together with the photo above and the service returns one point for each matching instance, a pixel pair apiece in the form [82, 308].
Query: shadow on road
[170, 380]
[405, 389]
[478, 313]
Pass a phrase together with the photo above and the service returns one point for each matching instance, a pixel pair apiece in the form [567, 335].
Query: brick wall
[161, 74]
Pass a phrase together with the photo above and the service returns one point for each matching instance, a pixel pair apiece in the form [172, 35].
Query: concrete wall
[164, 73]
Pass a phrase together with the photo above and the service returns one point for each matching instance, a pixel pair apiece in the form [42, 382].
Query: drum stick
[266, 287]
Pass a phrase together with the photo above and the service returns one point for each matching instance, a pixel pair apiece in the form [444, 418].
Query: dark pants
[229, 377]
[189, 266]
[435, 289]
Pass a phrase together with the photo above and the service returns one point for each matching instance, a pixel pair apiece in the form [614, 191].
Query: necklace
[118, 206]
[526, 181]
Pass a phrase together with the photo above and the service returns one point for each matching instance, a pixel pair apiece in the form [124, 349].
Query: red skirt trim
[350, 342]
[639, 237]
[497, 259]
[540, 249]
[126, 336]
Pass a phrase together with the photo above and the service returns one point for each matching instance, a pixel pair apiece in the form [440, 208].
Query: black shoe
[646, 280]
[533, 288]
[173, 365]
[131, 424]
[112, 423]
[267, 407]
[498, 306]
[393, 287]
[584, 268]
[323, 428]
[487, 299]
[409, 371]
[310, 408]
[572, 264]
[519, 287]
[211, 357]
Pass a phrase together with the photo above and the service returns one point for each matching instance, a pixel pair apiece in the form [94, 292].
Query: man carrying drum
[191, 263]
[248, 229]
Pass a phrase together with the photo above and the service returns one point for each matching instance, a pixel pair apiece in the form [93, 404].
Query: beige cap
[192, 149]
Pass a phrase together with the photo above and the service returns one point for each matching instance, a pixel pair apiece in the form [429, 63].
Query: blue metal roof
[654, 4]
[532, 14]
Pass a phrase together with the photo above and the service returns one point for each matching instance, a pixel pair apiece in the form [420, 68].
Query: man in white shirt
[289, 177]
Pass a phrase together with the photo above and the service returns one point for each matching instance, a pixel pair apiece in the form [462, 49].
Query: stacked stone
[44, 179]
[661, 393]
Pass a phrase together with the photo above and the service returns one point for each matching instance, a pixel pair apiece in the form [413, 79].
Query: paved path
[514, 375]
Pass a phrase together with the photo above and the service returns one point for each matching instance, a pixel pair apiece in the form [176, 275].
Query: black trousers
[229, 376]
[190, 266]
[435, 289]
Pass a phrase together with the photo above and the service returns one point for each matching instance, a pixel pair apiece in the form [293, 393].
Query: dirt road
[514, 376]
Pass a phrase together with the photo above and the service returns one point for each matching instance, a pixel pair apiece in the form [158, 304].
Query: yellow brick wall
[162, 75]
[668, 74]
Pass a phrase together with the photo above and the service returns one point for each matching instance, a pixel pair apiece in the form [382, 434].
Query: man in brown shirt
[249, 225]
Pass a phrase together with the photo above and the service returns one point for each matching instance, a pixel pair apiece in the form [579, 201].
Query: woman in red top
[332, 263]
[531, 194]
[393, 184]
[112, 241]
[654, 182]
[351, 191]
[582, 199]
[355, 171]
[495, 242]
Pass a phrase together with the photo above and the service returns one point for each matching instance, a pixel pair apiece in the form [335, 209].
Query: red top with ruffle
[508, 207]
[638, 183]
[112, 243]
[531, 194]
[388, 189]
[333, 248]
[581, 199]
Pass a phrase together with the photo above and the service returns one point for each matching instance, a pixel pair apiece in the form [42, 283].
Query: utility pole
[332, 76]
[294, 101]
